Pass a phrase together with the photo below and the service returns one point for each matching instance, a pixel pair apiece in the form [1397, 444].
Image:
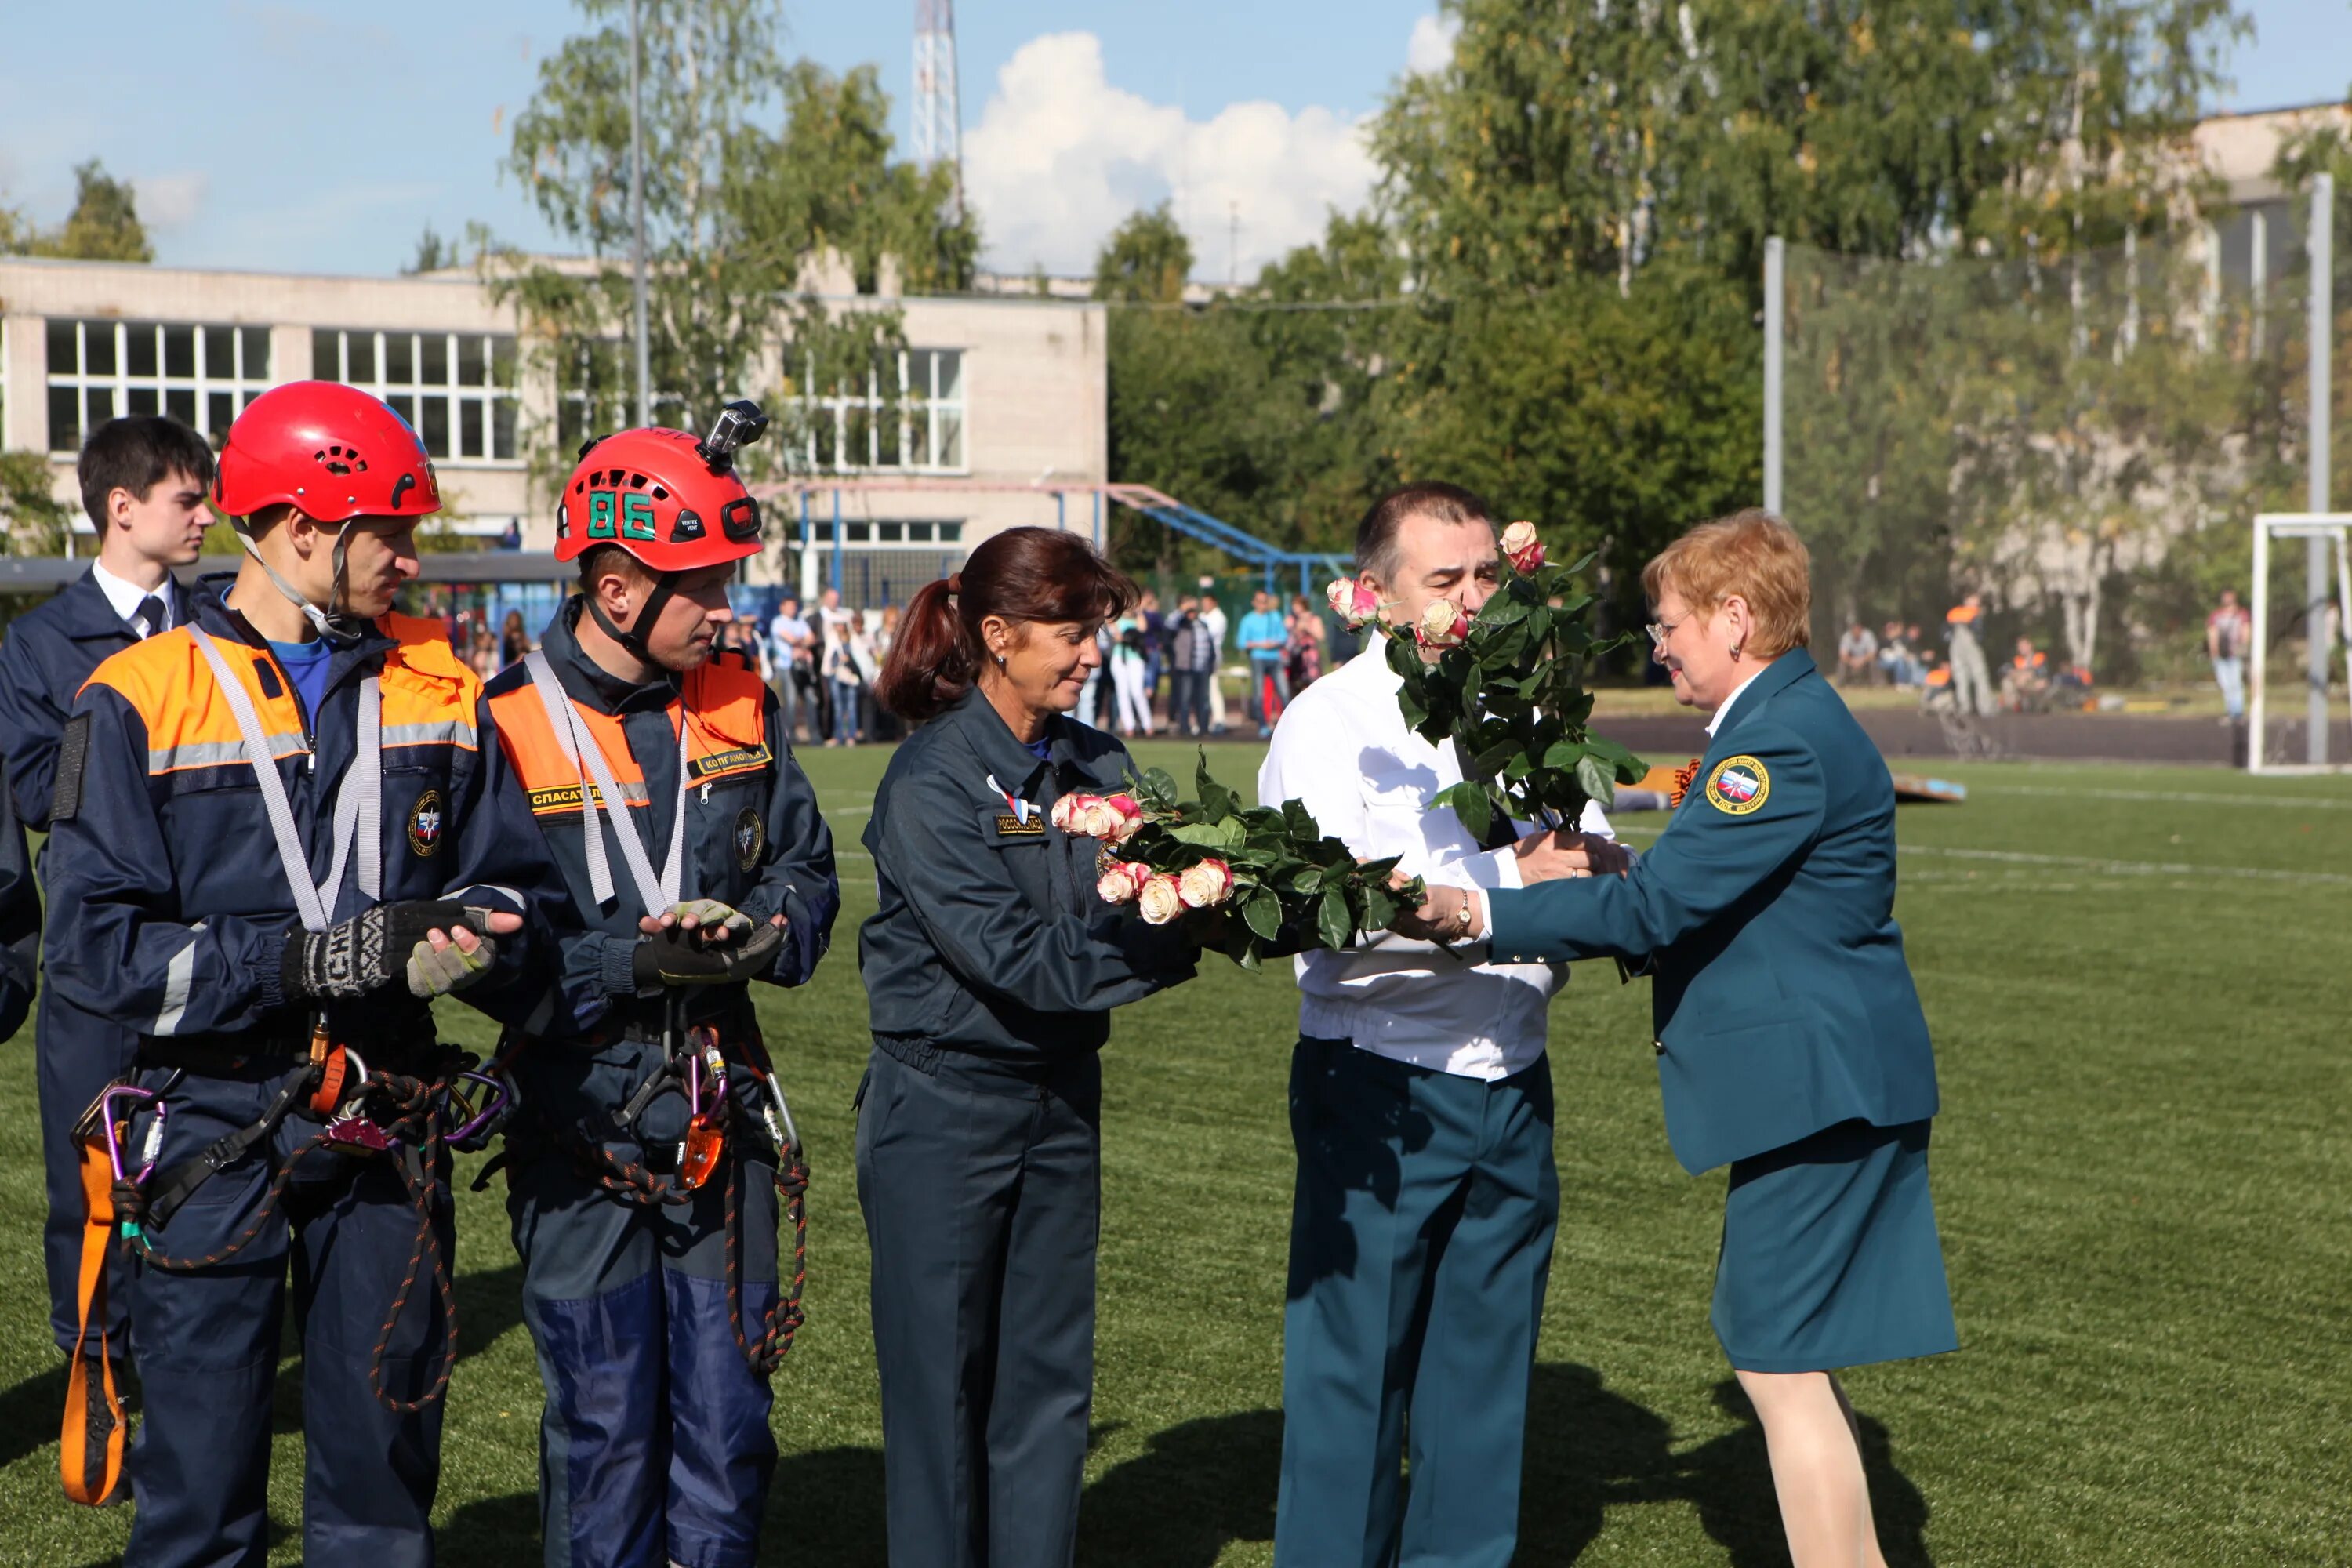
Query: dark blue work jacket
[754, 840]
[161, 847]
[48, 655]
[990, 937]
[1783, 1001]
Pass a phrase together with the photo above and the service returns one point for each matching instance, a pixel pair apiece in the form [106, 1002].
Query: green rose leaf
[1332, 923]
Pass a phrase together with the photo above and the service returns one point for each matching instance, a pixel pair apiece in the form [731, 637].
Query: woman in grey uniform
[992, 966]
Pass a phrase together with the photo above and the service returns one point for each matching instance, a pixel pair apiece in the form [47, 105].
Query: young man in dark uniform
[650, 1106]
[280, 836]
[142, 483]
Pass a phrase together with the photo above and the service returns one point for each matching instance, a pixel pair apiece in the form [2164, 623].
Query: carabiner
[115, 1130]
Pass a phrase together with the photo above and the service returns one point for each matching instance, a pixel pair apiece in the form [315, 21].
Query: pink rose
[1206, 885]
[1352, 601]
[1098, 818]
[1159, 900]
[1128, 814]
[1443, 625]
[1069, 812]
[1523, 549]
[1123, 881]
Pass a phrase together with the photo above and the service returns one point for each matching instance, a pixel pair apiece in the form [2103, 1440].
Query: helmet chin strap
[336, 626]
[633, 640]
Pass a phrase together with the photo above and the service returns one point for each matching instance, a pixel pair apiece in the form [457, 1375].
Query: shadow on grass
[494, 1532]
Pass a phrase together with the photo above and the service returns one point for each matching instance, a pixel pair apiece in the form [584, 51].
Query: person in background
[1194, 654]
[2229, 632]
[1857, 654]
[143, 484]
[1127, 666]
[1263, 637]
[991, 967]
[789, 644]
[2025, 679]
[514, 642]
[1304, 652]
[1155, 651]
[483, 657]
[1790, 1041]
[1893, 656]
[1971, 681]
[881, 724]
[1212, 615]
[842, 681]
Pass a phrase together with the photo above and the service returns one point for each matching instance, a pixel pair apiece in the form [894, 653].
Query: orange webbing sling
[97, 1240]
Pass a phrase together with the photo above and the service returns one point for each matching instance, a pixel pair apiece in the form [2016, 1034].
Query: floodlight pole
[637, 220]
[2319, 645]
[1775, 266]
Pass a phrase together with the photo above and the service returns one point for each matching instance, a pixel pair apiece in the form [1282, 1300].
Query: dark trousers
[75, 1055]
[654, 1444]
[1421, 1240]
[982, 1192]
[1188, 701]
[206, 1343]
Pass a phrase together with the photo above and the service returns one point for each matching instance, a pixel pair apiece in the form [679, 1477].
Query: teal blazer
[1766, 911]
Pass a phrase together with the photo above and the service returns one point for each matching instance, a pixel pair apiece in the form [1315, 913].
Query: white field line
[2172, 797]
[2090, 863]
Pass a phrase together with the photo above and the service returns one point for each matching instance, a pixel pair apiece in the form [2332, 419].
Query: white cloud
[1430, 47]
[1060, 156]
[171, 201]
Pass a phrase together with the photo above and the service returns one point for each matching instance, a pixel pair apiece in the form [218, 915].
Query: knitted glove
[711, 916]
[432, 973]
[680, 957]
[370, 950]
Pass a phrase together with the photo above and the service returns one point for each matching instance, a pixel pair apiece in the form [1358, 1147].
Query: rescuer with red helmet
[280, 836]
[644, 1174]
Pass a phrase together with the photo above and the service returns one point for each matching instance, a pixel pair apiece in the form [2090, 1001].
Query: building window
[920, 429]
[924, 535]
[201, 375]
[599, 395]
[456, 390]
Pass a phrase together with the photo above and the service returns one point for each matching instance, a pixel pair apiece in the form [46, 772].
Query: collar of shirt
[125, 596]
[583, 677]
[1725, 711]
[1008, 760]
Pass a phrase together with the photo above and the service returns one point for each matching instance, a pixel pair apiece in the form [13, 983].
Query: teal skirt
[1829, 1254]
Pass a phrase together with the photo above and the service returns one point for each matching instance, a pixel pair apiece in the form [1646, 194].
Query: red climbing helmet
[672, 500]
[333, 450]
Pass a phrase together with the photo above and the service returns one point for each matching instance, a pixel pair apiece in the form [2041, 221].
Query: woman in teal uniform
[1791, 1043]
[992, 966]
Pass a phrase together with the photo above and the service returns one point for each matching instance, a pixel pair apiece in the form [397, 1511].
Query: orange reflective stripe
[1959, 615]
[727, 735]
[73, 1444]
[429, 694]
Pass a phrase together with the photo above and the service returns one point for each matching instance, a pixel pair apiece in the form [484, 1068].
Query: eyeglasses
[1660, 631]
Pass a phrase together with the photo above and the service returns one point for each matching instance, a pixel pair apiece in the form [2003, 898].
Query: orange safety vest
[723, 706]
[1961, 615]
[2033, 661]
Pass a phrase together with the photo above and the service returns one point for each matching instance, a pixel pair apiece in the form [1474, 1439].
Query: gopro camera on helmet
[738, 425]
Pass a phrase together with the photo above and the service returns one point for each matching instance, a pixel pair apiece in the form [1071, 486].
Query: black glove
[369, 952]
[682, 957]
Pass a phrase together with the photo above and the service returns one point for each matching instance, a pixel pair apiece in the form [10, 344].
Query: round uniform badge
[1738, 785]
[425, 823]
[750, 837]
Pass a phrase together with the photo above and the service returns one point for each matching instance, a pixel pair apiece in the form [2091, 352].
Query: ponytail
[930, 665]
[1023, 575]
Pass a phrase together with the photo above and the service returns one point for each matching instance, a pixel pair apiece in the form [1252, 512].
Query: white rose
[1122, 881]
[1206, 885]
[1161, 900]
[1443, 625]
[1098, 818]
[1066, 812]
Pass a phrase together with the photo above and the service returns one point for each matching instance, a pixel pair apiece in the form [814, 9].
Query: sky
[324, 135]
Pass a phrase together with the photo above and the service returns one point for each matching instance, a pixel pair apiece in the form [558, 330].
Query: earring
[1735, 650]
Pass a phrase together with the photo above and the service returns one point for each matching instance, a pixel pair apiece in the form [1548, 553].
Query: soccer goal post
[2302, 744]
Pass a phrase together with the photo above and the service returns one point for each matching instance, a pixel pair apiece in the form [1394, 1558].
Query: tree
[102, 227]
[1145, 261]
[33, 522]
[733, 213]
[432, 253]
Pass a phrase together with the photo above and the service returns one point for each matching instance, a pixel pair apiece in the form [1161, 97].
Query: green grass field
[2139, 981]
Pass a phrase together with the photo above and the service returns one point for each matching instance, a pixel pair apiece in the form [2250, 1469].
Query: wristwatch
[1461, 917]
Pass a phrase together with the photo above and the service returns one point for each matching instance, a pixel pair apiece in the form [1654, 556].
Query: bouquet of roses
[1282, 885]
[1507, 689]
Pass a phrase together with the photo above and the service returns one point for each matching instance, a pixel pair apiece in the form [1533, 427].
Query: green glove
[432, 973]
[712, 918]
[680, 957]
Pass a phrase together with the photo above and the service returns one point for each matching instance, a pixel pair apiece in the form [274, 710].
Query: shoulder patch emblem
[1738, 785]
[425, 823]
[750, 837]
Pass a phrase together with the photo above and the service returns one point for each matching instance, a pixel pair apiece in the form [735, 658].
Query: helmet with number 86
[670, 500]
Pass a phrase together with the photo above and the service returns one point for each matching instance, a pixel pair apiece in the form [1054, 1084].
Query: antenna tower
[938, 112]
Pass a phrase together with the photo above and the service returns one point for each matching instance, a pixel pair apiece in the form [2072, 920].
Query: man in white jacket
[1421, 1103]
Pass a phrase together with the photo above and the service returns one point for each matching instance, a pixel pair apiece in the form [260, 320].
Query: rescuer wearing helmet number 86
[279, 838]
[644, 1174]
